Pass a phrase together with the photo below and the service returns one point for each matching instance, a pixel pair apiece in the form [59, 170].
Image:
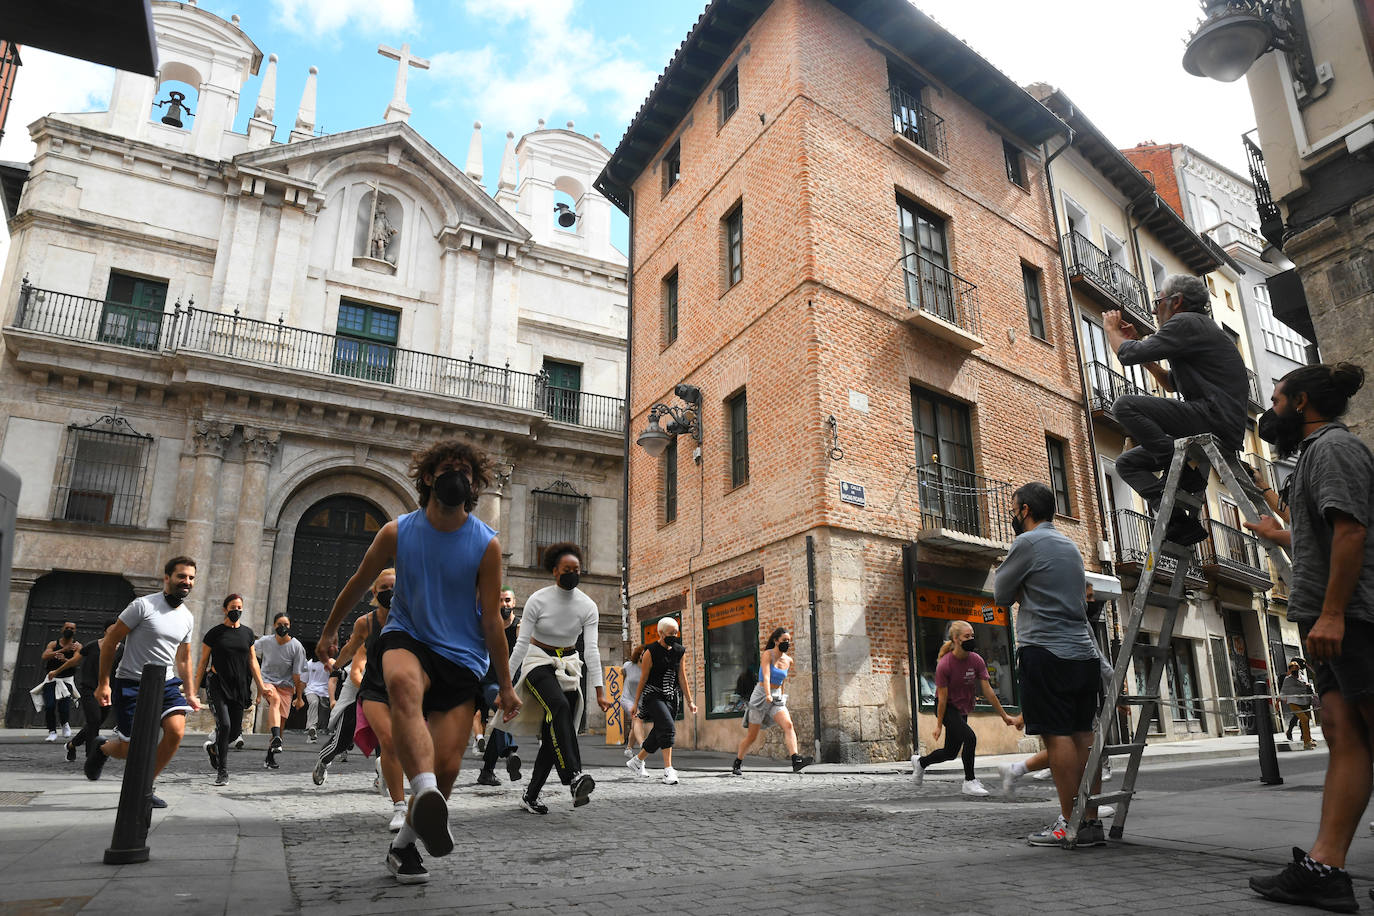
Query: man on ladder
[1205, 368]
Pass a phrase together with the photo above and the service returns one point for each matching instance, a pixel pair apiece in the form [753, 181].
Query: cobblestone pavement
[771, 842]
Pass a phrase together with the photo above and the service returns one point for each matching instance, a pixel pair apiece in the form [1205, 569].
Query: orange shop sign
[737, 610]
[957, 606]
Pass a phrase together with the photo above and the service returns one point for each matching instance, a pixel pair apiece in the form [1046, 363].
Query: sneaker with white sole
[581, 788]
[405, 863]
[669, 776]
[1106, 769]
[66, 730]
[918, 772]
[1056, 834]
[974, 788]
[52, 736]
[636, 766]
[533, 806]
[398, 817]
[1008, 779]
[318, 774]
[1106, 811]
[428, 817]
[238, 743]
[1041, 774]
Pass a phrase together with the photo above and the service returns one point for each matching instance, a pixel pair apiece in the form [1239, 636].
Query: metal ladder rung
[1138, 699]
[1184, 498]
[1121, 750]
[1176, 551]
[1107, 798]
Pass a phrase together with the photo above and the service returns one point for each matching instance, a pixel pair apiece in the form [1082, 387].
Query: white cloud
[321, 17]
[48, 83]
[556, 69]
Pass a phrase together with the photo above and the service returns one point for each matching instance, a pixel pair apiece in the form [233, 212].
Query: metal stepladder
[1204, 451]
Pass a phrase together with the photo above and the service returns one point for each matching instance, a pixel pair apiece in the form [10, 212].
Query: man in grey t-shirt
[283, 664]
[1331, 506]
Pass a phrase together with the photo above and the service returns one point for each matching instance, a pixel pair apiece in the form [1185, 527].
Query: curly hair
[555, 552]
[424, 463]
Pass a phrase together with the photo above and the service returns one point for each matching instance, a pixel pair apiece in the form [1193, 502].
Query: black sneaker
[487, 778]
[800, 763]
[1297, 884]
[737, 769]
[71, 752]
[222, 778]
[95, 761]
[428, 817]
[513, 767]
[156, 802]
[212, 751]
[405, 863]
[581, 787]
[1092, 833]
[271, 762]
[276, 746]
[533, 806]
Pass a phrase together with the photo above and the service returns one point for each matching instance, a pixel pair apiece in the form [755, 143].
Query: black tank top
[373, 682]
[60, 658]
[663, 673]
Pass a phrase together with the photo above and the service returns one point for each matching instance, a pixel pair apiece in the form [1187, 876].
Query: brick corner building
[841, 235]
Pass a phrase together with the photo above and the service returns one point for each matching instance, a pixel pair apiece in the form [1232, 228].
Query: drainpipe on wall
[815, 652]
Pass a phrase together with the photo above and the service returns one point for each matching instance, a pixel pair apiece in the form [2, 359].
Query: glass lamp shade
[1224, 48]
[653, 440]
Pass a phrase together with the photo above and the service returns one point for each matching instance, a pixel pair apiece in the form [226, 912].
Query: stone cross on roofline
[397, 109]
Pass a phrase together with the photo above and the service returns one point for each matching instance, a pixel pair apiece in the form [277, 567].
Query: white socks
[422, 781]
[1018, 768]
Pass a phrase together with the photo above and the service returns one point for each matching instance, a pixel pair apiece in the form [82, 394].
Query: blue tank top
[435, 599]
[776, 675]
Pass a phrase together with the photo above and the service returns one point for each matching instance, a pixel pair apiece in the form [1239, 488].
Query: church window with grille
[101, 478]
[560, 514]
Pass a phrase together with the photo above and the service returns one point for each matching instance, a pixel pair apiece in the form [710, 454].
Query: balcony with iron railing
[1133, 532]
[941, 303]
[1093, 270]
[1105, 385]
[1234, 556]
[278, 345]
[1229, 235]
[964, 511]
[917, 130]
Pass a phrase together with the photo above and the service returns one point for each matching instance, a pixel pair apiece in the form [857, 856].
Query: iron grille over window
[102, 473]
[560, 514]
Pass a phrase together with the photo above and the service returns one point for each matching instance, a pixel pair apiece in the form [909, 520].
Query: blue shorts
[124, 695]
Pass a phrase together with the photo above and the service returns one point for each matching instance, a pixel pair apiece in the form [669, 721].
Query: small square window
[734, 245]
[672, 166]
[729, 95]
[1035, 308]
[1016, 170]
[670, 308]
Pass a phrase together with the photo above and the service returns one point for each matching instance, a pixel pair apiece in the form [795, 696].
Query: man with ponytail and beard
[1330, 498]
[441, 633]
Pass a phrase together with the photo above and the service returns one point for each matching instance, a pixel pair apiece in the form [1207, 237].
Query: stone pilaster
[259, 446]
[208, 442]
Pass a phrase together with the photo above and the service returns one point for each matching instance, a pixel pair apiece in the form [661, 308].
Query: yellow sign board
[615, 716]
[956, 606]
[728, 612]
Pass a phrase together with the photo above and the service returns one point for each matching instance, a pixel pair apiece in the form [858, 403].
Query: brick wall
[1158, 160]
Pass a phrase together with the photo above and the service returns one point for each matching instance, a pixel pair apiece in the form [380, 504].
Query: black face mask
[569, 580]
[175, 598]
[1282, 430]
[968, 644]
[69, 634]
[384, 597]
[452, 489]
[785, 645]
[283, 629]
[234, 616]
[674, 640]
[1018, 524]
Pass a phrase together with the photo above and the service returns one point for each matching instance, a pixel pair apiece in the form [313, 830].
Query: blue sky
[508, 63]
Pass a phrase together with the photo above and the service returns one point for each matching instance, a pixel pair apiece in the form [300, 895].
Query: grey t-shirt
[281, 660]
[1335, 471]
[156, 631]
[1205, 367]
[1044, 571]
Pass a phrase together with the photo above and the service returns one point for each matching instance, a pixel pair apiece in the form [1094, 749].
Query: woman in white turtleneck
[551, 673]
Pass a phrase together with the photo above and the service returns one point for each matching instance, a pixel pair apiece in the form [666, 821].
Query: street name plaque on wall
[852, 493]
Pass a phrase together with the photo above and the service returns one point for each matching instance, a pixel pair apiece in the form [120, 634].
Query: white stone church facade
[226, 346]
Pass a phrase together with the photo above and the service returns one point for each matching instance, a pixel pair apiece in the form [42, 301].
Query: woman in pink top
[960, 674]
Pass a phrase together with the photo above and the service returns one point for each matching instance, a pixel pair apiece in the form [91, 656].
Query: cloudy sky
[508, 63]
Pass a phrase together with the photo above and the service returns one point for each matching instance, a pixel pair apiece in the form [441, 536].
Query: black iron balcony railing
[1231, 551]
[1133, 531]
[1092, 263]
[1271, 218]
[965, 502]
[278, 344]
[1106, 385]
[917, 123]
[937, 290]
[1256, 399]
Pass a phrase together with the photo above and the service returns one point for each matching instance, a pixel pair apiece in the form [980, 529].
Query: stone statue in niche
[382, 233]
[377, 243]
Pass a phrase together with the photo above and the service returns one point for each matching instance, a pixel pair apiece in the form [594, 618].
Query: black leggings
[94, 715]
[664, 730]
[228, 721]
[557, 735]
[957, 734]
[342, 739]
[53, 708]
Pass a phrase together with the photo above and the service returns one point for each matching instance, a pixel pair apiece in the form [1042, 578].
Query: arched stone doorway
[87, 599]
[330, 541]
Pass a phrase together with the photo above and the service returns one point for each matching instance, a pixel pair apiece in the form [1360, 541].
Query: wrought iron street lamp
[1235, 33]
[686, 419]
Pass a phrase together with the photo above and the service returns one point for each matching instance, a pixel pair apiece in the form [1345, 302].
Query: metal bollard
[1264, 726]
[135, 815]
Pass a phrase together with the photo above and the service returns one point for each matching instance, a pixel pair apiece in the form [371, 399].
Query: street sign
[852, 493]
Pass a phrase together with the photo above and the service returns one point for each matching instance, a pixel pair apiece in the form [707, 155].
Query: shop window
[991, 630]
[732, 654]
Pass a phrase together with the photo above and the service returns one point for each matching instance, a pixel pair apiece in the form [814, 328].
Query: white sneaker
[1106, 811]
[378, 782]
[66, 730]
[52, 736]
[630, 751]
[398, 817]
[1008, 779]
[238, 743]
[1041, 774]
[636, 766]
[1106, 769]
[975, 788]
[918, 772]
[669, 776]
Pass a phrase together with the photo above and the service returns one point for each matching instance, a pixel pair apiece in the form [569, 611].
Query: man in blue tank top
[437, 642]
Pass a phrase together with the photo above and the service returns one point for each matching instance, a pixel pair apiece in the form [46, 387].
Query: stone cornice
[120, 234]
[566, 331]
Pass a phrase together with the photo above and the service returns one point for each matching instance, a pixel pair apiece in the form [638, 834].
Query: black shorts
[450, 684]
[1351, 674]
[1059, 696]
[373, 687]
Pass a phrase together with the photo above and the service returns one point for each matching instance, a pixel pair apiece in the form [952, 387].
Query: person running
[551, 673]
[960, 674]
[155, 629]
[436, 642]
[500, 743]
[634, 734]
[59, 658]
[768, 704]
[283, 667]
[87, 679]
[1297, 696]
[227, 652]
[317, 700]
[661, 689]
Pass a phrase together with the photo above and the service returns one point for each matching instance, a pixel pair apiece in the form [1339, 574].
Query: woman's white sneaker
[918, 772]
[974, 787]
[636, 766]
[669, 776]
